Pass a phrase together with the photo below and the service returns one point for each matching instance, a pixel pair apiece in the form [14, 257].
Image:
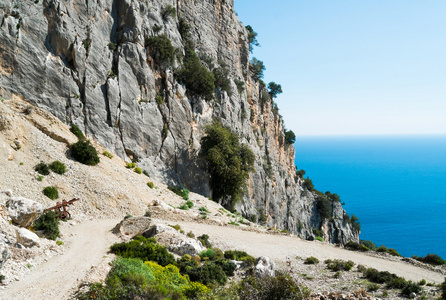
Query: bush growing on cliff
[308, 183]
[162, 48]
[256, 67]
[290, 137]
[274, 89]
[199, 81]
[443, 290]
[84, 152]
[229, 163]
[77, 132]
[252, 38]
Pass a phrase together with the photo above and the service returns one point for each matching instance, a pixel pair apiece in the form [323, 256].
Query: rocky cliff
[88, 62]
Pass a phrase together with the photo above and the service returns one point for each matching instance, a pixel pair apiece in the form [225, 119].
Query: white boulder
[264, 267]
[26, 238]
[24, 211]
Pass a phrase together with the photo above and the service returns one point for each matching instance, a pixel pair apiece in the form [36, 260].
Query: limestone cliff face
[86, 62]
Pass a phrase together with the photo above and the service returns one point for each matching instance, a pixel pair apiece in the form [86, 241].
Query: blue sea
[396, 185]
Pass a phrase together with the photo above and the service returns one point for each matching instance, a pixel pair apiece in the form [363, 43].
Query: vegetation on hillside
[229, 163]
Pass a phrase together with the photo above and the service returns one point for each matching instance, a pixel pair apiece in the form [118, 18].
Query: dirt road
[280, 248]
[86, 244]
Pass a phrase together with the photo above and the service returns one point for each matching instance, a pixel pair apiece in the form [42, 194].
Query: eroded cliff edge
[88, 63]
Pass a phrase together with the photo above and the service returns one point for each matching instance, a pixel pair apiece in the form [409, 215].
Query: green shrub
[51, 192]
[183, 28]
[323, 207]
[176, 227]
[290, 137]
[199, 81]
[319, 238]
[150, 184]
[308, 184]
[191, 234]
[49, 224]
[42, 168]
[85, 153]
[311, 260]
[252, 38]
[59, 243]
[40, 177]
[300, 173]
[409, 288]
[144, 249]
[221, 79]
[240, 256]
[208, 274]
[274, 90]
[432, 259]
[204, 239]
[281, 286]
[184, 207]
[58, 167]
[229, 162]
[138, 170]
[422, 282]
[209, 253]
[256, 67]
[77, 132]
[130, 165]
[108, 154]
[2, 277]
[161, 47]
[240, 86]
[351, 245]
[180, 192]
[391, 251]
[357, 226]
[168, 11]
[372, 287]
[190, 204]
[339, 265]
[369, 244]
[203, 209]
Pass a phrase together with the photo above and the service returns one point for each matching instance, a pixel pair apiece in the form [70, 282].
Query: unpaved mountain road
[282, 248]
[86, 244]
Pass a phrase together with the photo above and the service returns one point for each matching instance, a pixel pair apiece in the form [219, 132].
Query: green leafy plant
[77, 132]
[199, 81]
[351, 245]
[108, 154]
[204, 239]
[300, 173]
[85, 153]
[311, 260]
[274, 89]
[190, 204]
[161, 48]
[59, 243]
[339, 265]
[203, 209]
[168, 11]
[432, 259]
[49, 224]
[130, 165]
[51, 192]
[42, 168]
[58, 167]
[150, 184]
[240, 256]
[145, 249]
[229, 163]
[290, 137]
[182, 192]
[252, 38]
[40, 177]
[256, 67]
[138, 170]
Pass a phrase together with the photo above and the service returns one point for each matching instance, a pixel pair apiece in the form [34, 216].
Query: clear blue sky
[354, 67]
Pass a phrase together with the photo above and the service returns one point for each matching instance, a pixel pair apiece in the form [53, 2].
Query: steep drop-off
[88, 63]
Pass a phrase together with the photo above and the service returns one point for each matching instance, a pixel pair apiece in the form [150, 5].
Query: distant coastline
[394, 183]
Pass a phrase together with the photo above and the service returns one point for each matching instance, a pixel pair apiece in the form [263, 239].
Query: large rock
[174, 241]
[26, 238]
[130, 227]
[5, 254]
[264, 267]
[24, 211]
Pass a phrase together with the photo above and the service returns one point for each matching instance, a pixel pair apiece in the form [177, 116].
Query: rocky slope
[87, 63]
